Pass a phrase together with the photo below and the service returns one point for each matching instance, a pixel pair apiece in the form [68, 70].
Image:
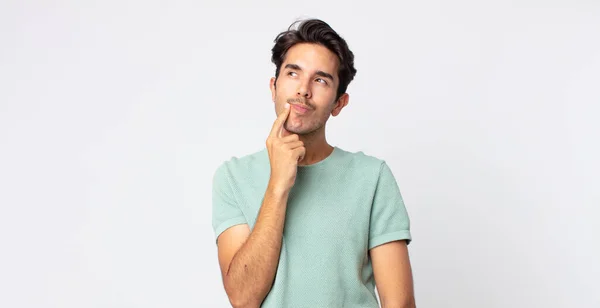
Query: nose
[304, 90]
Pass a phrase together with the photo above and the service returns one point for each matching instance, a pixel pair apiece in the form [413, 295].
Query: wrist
[278, 190]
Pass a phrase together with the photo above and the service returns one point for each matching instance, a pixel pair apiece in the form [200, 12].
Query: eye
[321, 80]
[293, 74]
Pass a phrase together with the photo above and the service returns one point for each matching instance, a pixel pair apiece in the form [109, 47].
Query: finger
[299, 153]
[283, 132]
[290, 138]
[278, 124]
[294, 144]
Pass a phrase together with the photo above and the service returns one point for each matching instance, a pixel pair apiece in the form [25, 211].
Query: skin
[248, 258]
[308, 77]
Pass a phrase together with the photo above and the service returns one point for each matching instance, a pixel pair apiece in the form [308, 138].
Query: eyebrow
[318, 73]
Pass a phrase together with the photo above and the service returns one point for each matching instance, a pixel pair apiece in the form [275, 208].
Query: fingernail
[287, 105]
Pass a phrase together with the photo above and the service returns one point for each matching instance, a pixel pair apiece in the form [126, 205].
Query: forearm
[408, 302]
[252, 269]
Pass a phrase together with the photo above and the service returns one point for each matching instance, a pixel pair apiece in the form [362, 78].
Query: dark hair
[318, 32]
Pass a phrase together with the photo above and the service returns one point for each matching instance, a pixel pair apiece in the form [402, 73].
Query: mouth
[301, 109]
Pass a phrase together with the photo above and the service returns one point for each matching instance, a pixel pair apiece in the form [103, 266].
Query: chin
[300, 131]
[294, 129]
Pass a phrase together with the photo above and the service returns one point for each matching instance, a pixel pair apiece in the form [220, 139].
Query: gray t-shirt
[337, 210]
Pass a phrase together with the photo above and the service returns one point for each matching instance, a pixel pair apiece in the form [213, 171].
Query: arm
[249, 260]
[393, 275]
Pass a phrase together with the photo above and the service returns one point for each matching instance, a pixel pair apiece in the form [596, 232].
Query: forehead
[312, 57]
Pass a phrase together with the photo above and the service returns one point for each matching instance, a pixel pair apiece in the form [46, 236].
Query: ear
[272, 86]
[341, 103]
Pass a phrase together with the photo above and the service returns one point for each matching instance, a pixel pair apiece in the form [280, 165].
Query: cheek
[284, 85]
[324, 93]
[325, 99]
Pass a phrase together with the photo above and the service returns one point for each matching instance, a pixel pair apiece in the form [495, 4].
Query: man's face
[308, 80]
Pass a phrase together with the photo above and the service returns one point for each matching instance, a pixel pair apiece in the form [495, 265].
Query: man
[303, 223]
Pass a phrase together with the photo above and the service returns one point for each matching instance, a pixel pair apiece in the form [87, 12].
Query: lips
[300, 108]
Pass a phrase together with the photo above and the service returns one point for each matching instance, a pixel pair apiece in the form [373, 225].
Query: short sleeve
[225, 210]
[389, 218]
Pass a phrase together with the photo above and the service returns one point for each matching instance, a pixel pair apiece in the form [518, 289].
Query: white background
[115, 114]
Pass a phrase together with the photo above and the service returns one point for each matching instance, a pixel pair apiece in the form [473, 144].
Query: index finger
[278, 124]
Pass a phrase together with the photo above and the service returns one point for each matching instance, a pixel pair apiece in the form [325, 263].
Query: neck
[317, 148]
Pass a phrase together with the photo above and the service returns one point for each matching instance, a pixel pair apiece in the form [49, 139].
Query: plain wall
[115, 114]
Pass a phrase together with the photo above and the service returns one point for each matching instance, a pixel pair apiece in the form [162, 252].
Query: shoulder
[362, 160]
[246, 163]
